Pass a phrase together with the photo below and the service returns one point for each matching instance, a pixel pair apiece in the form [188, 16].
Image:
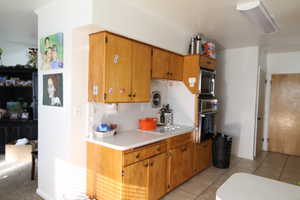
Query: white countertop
[242, 186]
[136, 138]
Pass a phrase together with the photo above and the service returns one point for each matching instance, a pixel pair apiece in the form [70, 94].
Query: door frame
[258, 85]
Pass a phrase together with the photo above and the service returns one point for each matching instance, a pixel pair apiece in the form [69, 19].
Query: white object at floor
[242, 186]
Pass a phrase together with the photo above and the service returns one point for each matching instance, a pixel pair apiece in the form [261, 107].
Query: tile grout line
[262, 162]
[285, 163]
[221, 175]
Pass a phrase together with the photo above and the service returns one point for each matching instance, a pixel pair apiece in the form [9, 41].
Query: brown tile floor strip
[283, 168]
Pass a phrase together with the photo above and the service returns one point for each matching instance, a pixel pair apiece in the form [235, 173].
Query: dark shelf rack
[11, 130]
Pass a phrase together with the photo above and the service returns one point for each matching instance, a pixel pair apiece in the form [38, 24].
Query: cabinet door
[202, 156]
[118, 69]
[206, 154]
[141, 72]
[188, 160]
[135, 181]
[175, 168]
[176, 67]
[158, 176]
[180, 164]
[160, 64]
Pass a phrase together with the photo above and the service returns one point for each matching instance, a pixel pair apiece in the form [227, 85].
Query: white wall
[62, 131]
[120, 17]
[236, 90]
[278, 63]
[15, 54]
[58, 139]
[126, 115]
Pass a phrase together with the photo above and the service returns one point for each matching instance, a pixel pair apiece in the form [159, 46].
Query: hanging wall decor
[53, 90]
[52, 52]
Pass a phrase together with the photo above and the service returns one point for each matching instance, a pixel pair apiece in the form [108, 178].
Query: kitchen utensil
[148, 124]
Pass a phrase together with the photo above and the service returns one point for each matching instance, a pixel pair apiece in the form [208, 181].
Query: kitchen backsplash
[126, 115]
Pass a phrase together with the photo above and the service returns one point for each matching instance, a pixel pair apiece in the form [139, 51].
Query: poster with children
[52, 52]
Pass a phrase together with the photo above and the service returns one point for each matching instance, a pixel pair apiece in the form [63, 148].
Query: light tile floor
[16, 184]
[271, 165]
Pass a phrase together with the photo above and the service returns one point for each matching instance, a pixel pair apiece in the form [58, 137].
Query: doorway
[284, 126]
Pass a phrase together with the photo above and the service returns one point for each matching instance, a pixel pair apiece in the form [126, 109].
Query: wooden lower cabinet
[135, 181]
[157, 168]
[157, 177]
[202, 156]
[145, 179]
[180, 164]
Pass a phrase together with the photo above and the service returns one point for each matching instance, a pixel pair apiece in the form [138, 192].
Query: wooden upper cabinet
[176, 67]
[135, 181]
[160, 64]
[96, 68]
[166, 65]
[118, 69]
[157, 176]
[191, 69]
[141, 72]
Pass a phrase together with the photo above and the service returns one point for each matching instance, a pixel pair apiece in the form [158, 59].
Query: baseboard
[43, 195]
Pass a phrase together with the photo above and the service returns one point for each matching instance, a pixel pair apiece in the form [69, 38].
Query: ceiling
[219, 20]
[18, 23]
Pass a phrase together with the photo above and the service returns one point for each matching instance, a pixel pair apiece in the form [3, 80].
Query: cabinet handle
[130, 95]
[146, 165]
[137, 156]
[134, 95]
[152, 163]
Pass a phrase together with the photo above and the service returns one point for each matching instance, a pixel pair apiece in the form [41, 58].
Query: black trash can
[221, 150]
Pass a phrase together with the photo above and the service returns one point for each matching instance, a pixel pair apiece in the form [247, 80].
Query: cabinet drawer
[143, 153]
[180, 140]
[207, 63]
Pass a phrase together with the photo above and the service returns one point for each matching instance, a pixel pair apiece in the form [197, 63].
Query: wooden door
[198, 158]
[260, 112]
[160, 64]
[175, 167]
[96, 67]
[135, 181]
[158, 176]
[141, 72]
[176, 67]
[284, 127]
[206, 154]
[180, 165]
[118, 69]
[188, 161]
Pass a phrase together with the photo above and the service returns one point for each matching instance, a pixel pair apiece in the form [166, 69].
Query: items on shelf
[200, 45]
[14, 82]
[15, 110]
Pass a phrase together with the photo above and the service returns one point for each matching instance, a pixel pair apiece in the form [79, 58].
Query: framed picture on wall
[52, 52]
[53, 90]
